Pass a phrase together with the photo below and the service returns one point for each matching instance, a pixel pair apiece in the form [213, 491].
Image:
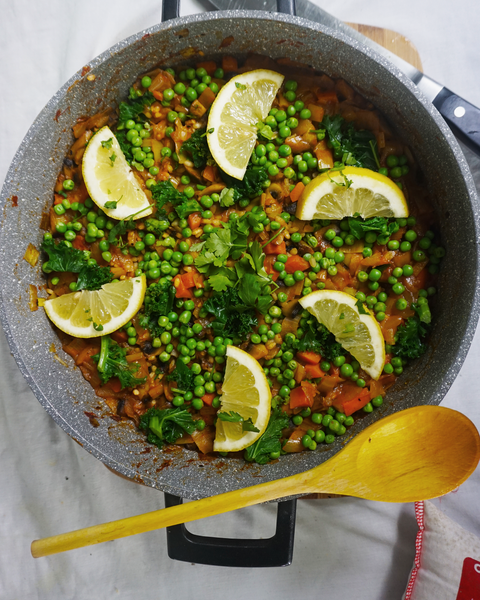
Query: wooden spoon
[416, 454]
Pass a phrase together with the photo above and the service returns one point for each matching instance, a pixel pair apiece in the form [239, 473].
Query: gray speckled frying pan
[27, 193]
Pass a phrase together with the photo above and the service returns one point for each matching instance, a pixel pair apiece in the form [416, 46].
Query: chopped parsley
[270, 440]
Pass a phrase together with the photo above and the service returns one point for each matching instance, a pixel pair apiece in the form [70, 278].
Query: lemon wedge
[359, 334]
[109, 179]
[245, 391]
[353, 190]
[88, 314]
[241, 103]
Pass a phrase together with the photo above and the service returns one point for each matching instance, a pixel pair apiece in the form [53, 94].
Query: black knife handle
[170, 10]
[287, 7]
[462, 117]
[276, 551]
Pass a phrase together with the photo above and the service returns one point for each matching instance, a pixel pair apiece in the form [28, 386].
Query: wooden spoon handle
[215, 505]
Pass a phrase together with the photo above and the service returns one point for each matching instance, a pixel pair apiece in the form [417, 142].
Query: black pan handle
[462, 117]
[287, 7]
[170, 9]
[276, 551]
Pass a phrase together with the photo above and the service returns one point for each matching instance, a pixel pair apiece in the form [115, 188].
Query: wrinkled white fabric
[345, 548]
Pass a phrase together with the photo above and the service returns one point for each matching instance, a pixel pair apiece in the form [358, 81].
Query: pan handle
[170, 9]
[287, 7]
[276, 551]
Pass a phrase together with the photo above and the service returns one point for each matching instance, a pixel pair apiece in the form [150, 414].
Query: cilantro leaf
[112, 362]
[409, 339]
[134, 107]
[197, 147]
[166, 425]
[270, 440]
[228, 197]
[183, 376]
[234, 417]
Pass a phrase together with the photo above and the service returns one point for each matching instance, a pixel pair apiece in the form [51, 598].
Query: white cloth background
[345, 548]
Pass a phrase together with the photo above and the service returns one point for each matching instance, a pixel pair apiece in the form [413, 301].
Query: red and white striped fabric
[447, 559]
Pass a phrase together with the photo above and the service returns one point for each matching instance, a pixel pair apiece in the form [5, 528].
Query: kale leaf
[61, 257]
[158, 302]
[354, 148]
[124, 144]
[120, 229]
[317, 338]
[134, 107]
[359, 227]
[409, 339]
[112, 362]
[183, 376]
[232, 317]
[270, 440]
[198, 149]
[166, 425]
[164, 192]
[250, 186]
[93, 277]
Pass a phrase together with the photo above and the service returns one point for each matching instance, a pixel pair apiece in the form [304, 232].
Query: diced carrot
[119, 336]
[194, 220]
[115, 384]
[208, 398]
[189, 279]
[296, 263]
[294, 442]
[326, 97]
[206, 97]
[313, 371]
[298, 398]
[351, 398]
[297, 191]
[210, 66]
[79, 243]
[273, 248]
[270, 260]
[181, 291]
[198, 279]
[229, 64]
[209, 173]
[317, 112]
[308, 357]
[158, 95]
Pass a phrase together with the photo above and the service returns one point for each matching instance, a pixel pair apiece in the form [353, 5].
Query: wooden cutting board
[401, 46]
[393, 41]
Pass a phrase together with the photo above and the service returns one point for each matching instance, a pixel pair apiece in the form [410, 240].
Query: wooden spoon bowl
[417, 454]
